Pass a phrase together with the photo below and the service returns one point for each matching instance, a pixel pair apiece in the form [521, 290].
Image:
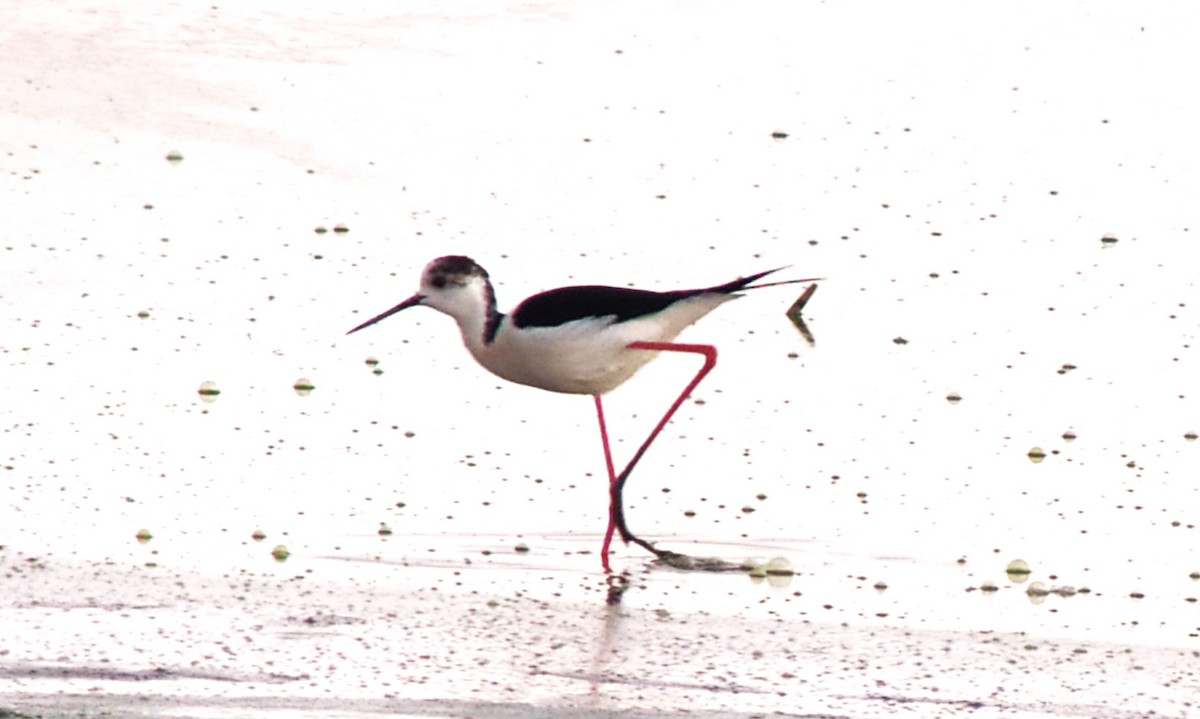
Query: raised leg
[616, 515]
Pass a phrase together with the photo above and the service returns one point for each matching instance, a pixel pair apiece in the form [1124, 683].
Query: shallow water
[955, 189]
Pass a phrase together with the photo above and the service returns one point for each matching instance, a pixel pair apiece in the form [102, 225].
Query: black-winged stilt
[578, 340]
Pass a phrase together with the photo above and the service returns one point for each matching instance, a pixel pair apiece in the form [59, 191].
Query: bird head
[454, 285]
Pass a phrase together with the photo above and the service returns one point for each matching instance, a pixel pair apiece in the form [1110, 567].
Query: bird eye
[439, 281]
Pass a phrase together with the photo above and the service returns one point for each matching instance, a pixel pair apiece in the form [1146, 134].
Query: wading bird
[577, 340]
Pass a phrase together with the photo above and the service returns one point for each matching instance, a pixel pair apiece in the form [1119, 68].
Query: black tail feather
[747, 283]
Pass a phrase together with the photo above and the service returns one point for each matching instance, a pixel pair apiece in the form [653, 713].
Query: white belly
[589, 356]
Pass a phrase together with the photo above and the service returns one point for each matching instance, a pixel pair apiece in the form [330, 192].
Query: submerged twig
[794, 314]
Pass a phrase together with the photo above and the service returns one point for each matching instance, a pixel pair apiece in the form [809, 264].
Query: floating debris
[341, 229]
[779, 135]
[1037, 454]
[780, 567]
[521, 548]
[371, 361]
[1069, 436]
[384, 530]
[989, 586]
[880, 585]
[208, 391]
[1038, 591]
[899, 340]
[1018, 570]
[954, 398]
[1108, 240]
[303, 387]
[143, 314]
[320, 230]
[755, 568]
[174, 157]
[143, 536]
[280, 553]
[258, 535]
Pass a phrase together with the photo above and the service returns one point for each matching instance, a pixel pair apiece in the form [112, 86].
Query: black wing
[567, 304]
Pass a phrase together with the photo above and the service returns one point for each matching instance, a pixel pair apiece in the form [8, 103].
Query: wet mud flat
[527, 638]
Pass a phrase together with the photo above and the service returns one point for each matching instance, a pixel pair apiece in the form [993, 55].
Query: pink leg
[616, 516]
[612, 479]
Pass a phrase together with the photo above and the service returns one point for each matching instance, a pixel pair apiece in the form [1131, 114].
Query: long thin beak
[410, 302]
